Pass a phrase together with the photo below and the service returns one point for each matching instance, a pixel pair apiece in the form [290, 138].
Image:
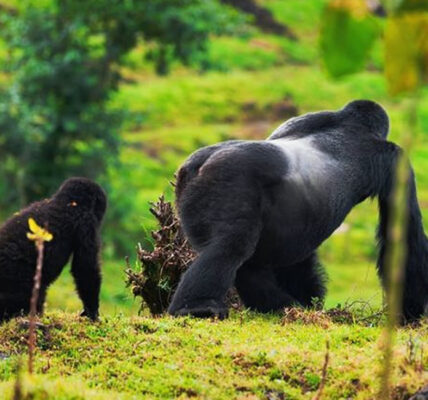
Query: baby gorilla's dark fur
[73, 215]
[256, 211]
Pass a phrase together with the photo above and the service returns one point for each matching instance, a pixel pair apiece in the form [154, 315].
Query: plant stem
[33, 304]
[397, 253]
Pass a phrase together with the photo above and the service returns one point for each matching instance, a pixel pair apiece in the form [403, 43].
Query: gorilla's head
[369, 114]
[85, 193]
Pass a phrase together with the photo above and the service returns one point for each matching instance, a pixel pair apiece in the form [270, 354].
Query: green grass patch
[213, 97]
[115, 298]
[248, 356]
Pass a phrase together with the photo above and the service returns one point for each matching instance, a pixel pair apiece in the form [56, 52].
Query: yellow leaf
[37, 232]
[31, 236]
[406, 51]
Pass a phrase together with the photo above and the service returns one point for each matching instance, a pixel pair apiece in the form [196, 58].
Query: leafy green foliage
[349, 31]
[54, 120]
[62, 62]
[347, 36]
[181, 29]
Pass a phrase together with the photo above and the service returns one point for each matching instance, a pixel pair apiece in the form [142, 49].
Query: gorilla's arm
[415, 294]
[85, 268]
[306, 124]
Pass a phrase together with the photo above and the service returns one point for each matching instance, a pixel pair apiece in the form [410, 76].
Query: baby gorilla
[73, 215]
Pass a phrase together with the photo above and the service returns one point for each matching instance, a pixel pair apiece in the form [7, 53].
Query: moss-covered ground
[246, 357]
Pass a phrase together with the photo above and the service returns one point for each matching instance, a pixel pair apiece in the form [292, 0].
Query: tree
[62, 63]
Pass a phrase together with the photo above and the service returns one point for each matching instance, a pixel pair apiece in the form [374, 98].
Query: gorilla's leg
[259, 289]
[305, 280]
[203, 287]
[220, 211]
[17, 304]
[15, 308]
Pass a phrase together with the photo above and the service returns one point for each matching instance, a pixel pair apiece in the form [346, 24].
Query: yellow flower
[38, 233]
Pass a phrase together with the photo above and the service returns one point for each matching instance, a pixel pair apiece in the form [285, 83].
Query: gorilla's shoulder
[359, 117]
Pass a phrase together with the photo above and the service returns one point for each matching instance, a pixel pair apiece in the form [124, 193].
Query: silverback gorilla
[73, 215]
[256, 211]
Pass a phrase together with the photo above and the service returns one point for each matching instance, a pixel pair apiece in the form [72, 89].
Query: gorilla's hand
[92, 315]
[201, 309]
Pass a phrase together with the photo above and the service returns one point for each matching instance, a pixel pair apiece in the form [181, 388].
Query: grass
[115, 297]
[213, 97]
[246, 357]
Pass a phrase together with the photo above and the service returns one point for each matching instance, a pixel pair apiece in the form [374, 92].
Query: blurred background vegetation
[123, 91]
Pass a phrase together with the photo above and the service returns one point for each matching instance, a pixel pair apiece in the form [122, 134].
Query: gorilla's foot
[92, 315]
[206, 308]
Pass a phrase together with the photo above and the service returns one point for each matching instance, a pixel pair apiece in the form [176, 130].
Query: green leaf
[348, 32]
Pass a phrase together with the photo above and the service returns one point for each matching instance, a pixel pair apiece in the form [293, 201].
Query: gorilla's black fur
[256, 211]
[73, 215]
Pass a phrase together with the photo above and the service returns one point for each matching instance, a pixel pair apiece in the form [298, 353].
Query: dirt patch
[275, 111]
[275, 395]
[338, 315]
[283, 109]
[263, 18]
[257, 362]
[187, 392]
[306, 317]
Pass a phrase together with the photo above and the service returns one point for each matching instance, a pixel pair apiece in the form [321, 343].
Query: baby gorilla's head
[84, 193]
